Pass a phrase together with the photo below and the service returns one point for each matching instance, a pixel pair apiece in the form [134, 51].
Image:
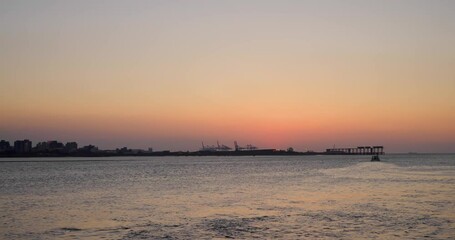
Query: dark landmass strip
[265, 152]
[23, 148]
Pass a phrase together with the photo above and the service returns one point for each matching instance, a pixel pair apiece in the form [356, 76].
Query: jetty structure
[362, 150]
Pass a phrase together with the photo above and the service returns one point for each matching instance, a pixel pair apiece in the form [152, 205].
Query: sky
[170, 74]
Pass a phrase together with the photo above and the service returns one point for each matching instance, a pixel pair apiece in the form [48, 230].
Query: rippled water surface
[314, 197]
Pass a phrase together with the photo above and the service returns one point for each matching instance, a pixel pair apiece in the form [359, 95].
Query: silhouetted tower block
[4, 146]
[71, 146]
[23, 146]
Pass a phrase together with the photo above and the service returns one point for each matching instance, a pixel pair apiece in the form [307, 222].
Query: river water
[286, 197]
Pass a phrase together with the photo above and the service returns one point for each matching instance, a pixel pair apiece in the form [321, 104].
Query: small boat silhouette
[375, 158]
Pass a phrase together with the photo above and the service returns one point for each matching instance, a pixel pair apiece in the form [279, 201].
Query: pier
[362, 150]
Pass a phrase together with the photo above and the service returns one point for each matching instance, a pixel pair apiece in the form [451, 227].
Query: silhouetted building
[50, 146]
[4, 146]
[41, 147]
[23, 146]
[55, 146]
[137, 151]
[71, 146]
[88, 149]
[122, 150]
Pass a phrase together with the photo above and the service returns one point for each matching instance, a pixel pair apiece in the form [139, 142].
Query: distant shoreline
[175, 154]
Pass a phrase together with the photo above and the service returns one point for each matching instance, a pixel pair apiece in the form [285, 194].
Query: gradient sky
[169, 74]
